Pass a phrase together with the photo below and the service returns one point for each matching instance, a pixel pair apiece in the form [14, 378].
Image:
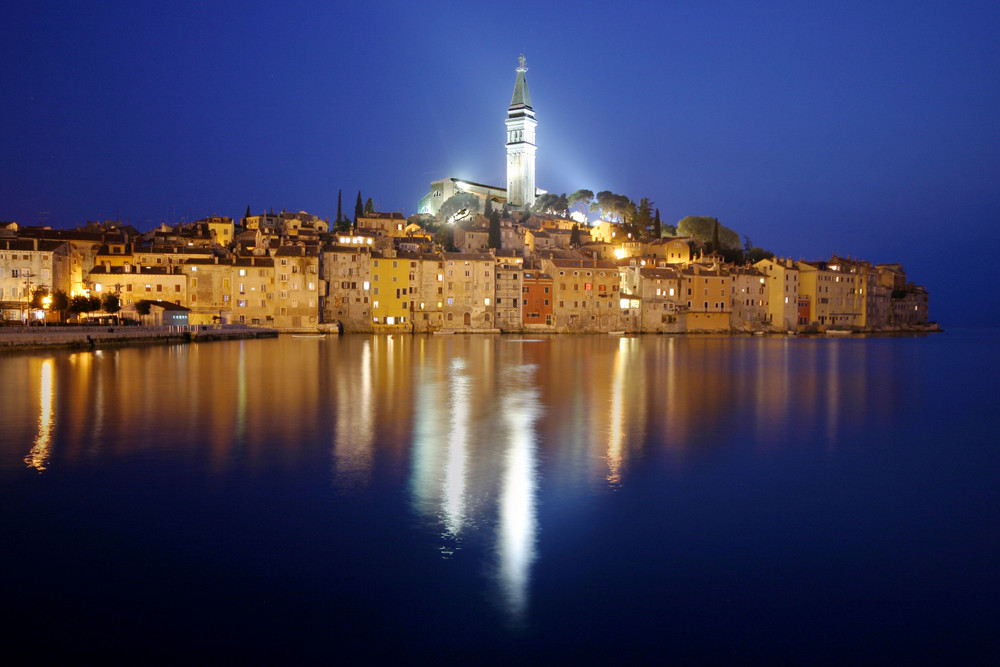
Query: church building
[520, 192]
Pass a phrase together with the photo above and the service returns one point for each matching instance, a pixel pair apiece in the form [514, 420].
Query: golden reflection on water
[616, 417]
[354, 425]
[39, 454]
[434, 404]
[469, 424]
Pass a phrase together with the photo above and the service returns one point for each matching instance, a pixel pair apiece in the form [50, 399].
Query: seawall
[89, 337]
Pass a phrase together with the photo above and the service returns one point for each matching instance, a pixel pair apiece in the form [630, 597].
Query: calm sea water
[501, 498]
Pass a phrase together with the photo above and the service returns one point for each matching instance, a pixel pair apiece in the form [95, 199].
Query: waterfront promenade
[92, 336]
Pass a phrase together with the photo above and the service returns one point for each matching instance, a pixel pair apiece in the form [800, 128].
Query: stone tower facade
[521, 144]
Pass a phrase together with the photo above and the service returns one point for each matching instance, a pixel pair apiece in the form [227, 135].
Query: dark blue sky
[860, 128]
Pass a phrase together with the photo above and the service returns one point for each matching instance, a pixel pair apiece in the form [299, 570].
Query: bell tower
[521, 143]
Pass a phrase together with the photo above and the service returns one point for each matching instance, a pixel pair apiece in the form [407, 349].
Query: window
[242, 303]
[243, 272]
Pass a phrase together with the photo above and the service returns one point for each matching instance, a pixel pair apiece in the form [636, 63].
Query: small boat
[316, 335]
[616, 333]
[838, 332]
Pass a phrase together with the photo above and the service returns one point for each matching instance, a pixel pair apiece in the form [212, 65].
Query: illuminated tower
[521, 144]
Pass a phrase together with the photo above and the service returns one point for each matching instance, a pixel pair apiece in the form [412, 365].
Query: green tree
[37, 296]
[488, 208]
[445, 237]
[643, 221]
[459, 206]
[552, 204]
[340, 224]
[369, 206]
[574, 237]
[110, 303]
[78, 304]
[581, 200]
[142, 307]
[60, 301]
[614, 208]
[495, 237]
[755, 254]
[359, 209]
[605, 204]
[657, 226]
[703, 228]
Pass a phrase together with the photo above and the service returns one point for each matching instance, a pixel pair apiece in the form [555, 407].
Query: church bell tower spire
[521, 143]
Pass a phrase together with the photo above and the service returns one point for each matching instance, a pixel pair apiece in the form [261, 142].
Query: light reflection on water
[495, 449]
[39, 454]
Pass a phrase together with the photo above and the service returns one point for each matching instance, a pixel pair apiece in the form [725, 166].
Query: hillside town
[474, 258]
[291, 272]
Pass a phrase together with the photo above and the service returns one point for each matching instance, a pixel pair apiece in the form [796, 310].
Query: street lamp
[46, 303]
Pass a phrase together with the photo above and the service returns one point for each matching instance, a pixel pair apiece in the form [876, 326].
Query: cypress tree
[657, 227]
[716, 246]
[359, 209]
[574, 237]
[340, 214]
[494, 237]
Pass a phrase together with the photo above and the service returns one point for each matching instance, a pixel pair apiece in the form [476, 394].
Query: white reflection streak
[454, 477]
[39, 454]
[352, 449]
[518, 524]
[616, 436]
[430, 419]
